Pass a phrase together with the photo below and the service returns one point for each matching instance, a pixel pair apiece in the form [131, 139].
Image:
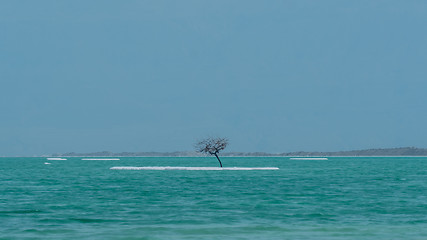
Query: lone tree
[212, 146]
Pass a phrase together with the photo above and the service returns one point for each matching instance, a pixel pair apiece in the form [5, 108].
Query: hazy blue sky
[274, 76]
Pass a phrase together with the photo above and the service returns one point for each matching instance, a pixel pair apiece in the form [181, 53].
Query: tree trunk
[216, 155]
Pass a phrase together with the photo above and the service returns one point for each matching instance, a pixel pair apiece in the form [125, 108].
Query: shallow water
[341, 198]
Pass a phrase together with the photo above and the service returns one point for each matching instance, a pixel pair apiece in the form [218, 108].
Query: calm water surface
[341, 198]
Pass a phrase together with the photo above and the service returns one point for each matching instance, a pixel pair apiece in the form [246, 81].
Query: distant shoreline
[377, 152]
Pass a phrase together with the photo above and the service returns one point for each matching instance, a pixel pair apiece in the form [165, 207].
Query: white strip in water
[194, 168]
[100, 159]
[56, 159]
[309, 158]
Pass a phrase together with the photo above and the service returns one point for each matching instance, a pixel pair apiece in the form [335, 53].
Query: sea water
[340, 198]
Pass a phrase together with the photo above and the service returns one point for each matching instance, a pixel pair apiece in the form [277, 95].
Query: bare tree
[212, 146]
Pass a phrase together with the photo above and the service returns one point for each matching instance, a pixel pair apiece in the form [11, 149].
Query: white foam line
[194, 168]
[100, 159]
[309, 158]
[56, 159]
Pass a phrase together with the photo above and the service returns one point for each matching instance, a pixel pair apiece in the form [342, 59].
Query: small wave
[195, 168]
[26, 211]
[309, 158]
[56, 159]
[100, 159]
[91, 220]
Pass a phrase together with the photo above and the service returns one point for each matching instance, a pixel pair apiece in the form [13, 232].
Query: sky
[271, 76]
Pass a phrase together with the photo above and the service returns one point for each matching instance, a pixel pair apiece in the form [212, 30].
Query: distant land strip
[402, 151]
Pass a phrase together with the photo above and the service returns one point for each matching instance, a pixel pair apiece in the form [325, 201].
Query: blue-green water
[342, 198]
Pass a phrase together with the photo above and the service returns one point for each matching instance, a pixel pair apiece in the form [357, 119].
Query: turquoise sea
[340, 198]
